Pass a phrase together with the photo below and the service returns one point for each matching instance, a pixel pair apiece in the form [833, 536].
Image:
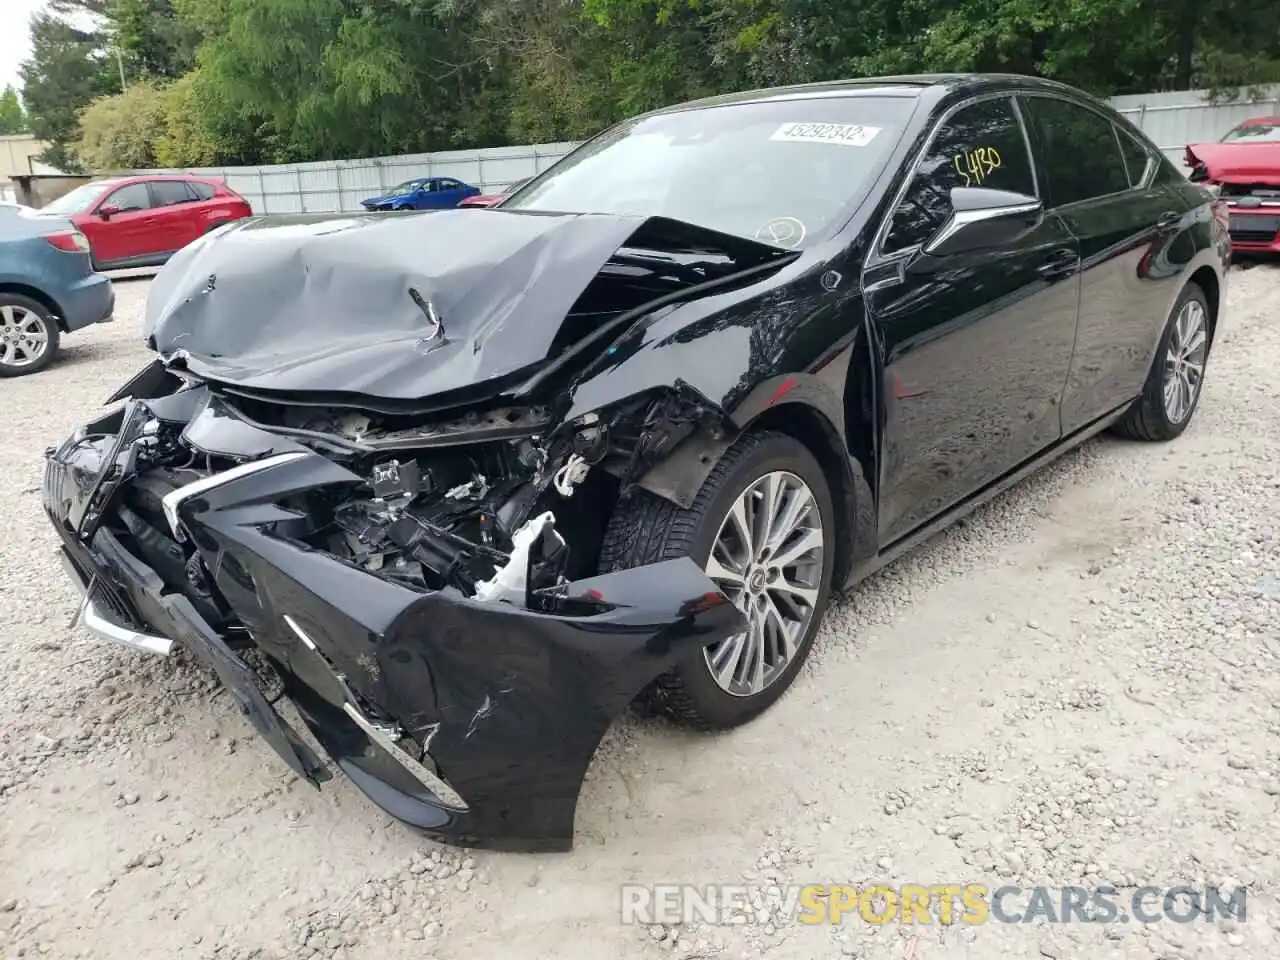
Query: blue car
[426, 193]
[47, 288]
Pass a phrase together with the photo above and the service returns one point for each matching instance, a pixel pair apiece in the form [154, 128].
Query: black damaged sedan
[462, 485]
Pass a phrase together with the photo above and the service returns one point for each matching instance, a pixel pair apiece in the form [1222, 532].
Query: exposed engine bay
[493, 504]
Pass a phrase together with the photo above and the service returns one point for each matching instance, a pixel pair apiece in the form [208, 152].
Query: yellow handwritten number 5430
[977, 164]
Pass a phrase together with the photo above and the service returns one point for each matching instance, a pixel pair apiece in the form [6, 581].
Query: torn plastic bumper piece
[133, 586]
[386, 735]
[473, 721]
[507, 704]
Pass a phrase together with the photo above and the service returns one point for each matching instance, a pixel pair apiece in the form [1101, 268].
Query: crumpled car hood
[348, 303]
[1245, 162]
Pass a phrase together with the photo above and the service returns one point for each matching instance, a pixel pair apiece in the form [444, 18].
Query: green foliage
[119, 132]
[67, 70]
[13, 118]
[246, 81]
[153, 42]
[186, 141]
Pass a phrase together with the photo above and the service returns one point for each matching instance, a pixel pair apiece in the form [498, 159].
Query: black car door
[976, 347]
[1101, 182]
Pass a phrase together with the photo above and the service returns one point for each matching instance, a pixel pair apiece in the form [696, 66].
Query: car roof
[937, 86]
[1260, 121]
[136, 177]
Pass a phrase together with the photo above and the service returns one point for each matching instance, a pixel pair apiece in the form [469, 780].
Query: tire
[1151, 418]
[645, 529]
[20, 315]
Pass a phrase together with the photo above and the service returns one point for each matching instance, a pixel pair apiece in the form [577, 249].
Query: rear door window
[1078, 149]
[169, 192]
[981, 145]
[199, 191]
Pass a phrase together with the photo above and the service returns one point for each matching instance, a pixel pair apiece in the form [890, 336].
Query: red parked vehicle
[493, 199]
[1244, 169]
[141, 221]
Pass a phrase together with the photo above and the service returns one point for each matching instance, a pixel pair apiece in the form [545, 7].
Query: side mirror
[982, 219]
[108, 210]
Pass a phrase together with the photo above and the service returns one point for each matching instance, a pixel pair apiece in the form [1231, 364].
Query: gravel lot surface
[1078, 685]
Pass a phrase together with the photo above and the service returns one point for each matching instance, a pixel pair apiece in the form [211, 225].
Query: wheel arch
[1206, 278]
[39, 296]
[812, 428]
[805, 407]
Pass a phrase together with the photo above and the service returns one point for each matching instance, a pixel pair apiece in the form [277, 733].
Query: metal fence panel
[340, 185]
[1172, 120]
[1175, 119]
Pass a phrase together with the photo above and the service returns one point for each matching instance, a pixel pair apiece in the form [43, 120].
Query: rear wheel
[763, 528]
[28, 336]
[1172, 391]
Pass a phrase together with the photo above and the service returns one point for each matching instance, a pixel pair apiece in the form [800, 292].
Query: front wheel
[28, 336]
[763, 528]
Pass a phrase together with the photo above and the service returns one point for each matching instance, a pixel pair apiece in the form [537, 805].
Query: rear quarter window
[202, 191]
[1137, 158]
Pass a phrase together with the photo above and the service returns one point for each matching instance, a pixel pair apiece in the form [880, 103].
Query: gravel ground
[1078, 685]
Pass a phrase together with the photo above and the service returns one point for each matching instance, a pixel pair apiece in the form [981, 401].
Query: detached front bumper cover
[474, 721]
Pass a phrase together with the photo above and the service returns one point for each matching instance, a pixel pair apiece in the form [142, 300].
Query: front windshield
[407, 187]
[78, 200]
[778, 171]
[1254, 133]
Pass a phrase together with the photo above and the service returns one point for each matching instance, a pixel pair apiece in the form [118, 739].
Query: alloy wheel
[24, 336]
[1184, 362]
[768, 560]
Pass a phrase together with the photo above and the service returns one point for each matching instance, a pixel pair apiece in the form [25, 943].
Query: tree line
[118, 84]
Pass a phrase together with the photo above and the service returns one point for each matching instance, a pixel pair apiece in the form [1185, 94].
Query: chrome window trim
[1142, 183]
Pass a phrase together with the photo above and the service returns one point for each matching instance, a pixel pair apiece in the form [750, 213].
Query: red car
[1244, 168]
[492, 199]
[141, 221]
[482, 200]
